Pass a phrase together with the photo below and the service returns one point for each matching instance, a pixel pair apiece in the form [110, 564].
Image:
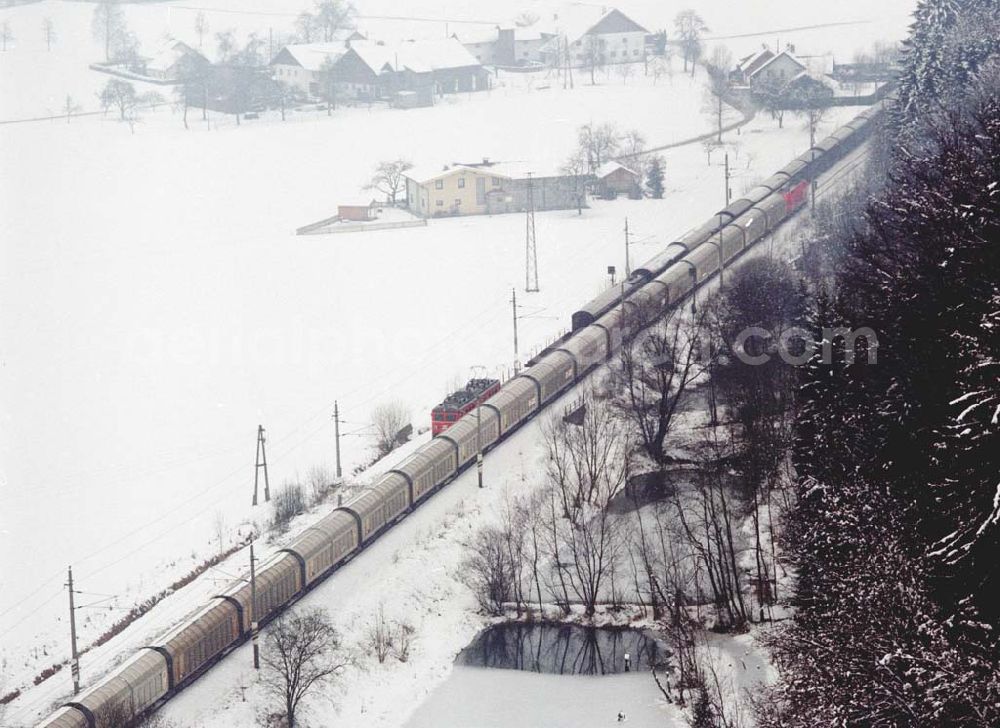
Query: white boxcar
[705, 259]
[389, 497]
[469, 436]
[278, 580]
[432, 464]
[588, 346]
[326, 543]
[515, 401]
[65, 718]
[553, 373]
[679, 279]
[200, 637]
[130, 689]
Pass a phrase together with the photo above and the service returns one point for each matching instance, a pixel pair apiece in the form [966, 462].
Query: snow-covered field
[156, 308]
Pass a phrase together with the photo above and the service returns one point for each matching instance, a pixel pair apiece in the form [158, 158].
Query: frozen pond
[513, 676]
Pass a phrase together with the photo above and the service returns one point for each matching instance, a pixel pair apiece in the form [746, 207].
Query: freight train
[158, 670]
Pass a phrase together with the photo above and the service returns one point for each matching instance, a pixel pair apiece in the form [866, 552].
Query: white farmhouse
[299, 65]
[589, 33]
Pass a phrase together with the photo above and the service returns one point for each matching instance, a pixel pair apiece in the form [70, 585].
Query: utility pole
[628, 269]
[530, 249]
[75, 662]
[261, 462]
[253, 609]
[336, 433]
[513, 303]
[729, 193]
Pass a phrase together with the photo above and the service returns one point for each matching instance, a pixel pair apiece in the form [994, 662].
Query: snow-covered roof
[754, 60]
[477, 36]
[310, 56]
[168, 56]
[609, 167]
[783, 54]
[507, 170]
[429, 173]
[576, 20]
[418, 56]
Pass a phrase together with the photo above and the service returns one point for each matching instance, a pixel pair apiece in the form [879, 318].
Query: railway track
[176, 659]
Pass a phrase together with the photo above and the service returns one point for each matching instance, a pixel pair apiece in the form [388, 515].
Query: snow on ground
[152, 340]
[158, 307]
[64, 70]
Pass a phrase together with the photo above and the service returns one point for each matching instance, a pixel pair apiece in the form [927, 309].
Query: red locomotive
[458, 403]
[796, 196]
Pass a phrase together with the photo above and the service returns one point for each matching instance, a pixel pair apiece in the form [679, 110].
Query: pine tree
[654, 178]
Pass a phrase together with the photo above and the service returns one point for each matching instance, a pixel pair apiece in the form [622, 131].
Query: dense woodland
[895, 531]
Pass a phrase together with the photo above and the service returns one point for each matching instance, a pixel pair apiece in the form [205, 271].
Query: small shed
[356, 213]
[614, 178]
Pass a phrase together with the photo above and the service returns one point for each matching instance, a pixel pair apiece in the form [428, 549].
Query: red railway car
[458, 403]
[796, 196]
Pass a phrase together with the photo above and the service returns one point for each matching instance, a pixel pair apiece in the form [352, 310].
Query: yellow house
[454, 190]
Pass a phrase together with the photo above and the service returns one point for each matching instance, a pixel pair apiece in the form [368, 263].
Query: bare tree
[192, 90]
[289, 501]
[301, 654]
[219, 526]
[200, 28]
[587, 463]
[593, 56]
[709, 145]
[718, 84]
[625, 71]
[770, 95]
[379, 637]
[389, 419]
[108, 25]
[658, 68]
[225, 44]
[48, 32]
[598, 143]
[389, 179]
[6, 35]
[653, 375]
[591, 546]
[307, 27]
[333, 16]
[328, 83]
[690, 27]
[320, 483]
[633, 144]
[70, 107]
[577, 167]
[121, 95]
[488, 571]
[285, 94]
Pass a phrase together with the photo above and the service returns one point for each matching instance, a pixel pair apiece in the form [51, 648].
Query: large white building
[500, 46]
[299, 65]
[592, 35]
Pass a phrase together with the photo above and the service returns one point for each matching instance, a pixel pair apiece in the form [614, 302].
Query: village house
[592, 33]
[614, 178]
[300, 65]
[487, 188]
[174, 61]
[420, 70]
[508, 47]
[740, 76]
[779, 69]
